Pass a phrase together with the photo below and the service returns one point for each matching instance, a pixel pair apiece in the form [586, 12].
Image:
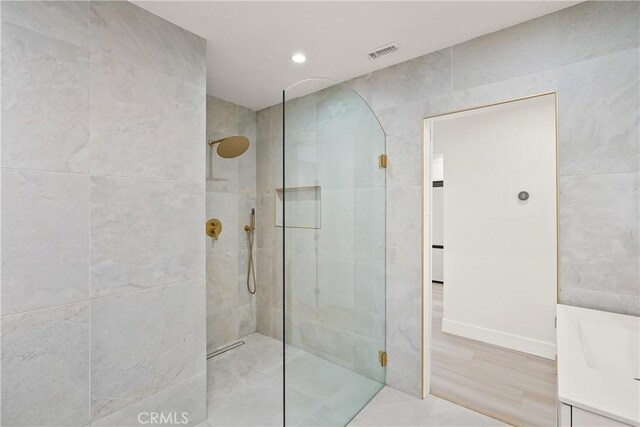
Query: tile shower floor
[244, 388]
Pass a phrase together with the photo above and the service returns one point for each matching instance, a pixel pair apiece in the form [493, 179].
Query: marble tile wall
[103, 255]
[589, 54]
[268, 237]
[231, 194]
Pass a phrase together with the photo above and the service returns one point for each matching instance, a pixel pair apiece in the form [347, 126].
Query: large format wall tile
[404, 223]
[400, 122]
[403, 372]
[144, 342]
[403, 128]
[403, 306]
[496, 92]
[222, 281]
[369, 225]
[405, 161]
[222, 254]
[391, 87]
[222, 328]
[45, 98]
[246, 317]
[430, 75]
[336, 238]
[184, 403]
[222, 116]
[369, 318]
[125, 31]
[46, 367]
[522, 49]
[597, 28]
[45, 239]
[263, 123]
[599, 232]
[264, 272]
[599, 115]
[605, 300]
[145, 124]
[405, 83]
[64, 20]
[301, 111]
[144, 233]
[247, 162]
[571, 35]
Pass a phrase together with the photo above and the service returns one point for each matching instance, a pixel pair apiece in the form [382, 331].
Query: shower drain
[224, 349]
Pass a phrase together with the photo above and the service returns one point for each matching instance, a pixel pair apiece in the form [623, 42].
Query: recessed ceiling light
[298, 58]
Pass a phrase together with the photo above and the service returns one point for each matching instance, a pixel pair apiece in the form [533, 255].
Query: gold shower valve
[213, 228]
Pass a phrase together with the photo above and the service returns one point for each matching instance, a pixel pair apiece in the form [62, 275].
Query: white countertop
[598, 359]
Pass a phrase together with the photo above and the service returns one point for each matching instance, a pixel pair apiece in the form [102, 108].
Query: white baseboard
[499, 338]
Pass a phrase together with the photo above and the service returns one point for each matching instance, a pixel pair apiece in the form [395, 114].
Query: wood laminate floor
[514, 387]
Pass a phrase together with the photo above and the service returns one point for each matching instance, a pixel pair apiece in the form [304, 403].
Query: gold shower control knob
[213, 228]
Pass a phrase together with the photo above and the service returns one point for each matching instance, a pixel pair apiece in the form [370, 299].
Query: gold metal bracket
[213, 228]
[382, 357]
[382, 161]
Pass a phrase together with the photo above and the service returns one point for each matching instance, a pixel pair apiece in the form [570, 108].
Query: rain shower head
[230, 147]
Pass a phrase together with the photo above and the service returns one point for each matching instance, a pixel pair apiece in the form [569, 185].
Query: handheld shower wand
[251, 274]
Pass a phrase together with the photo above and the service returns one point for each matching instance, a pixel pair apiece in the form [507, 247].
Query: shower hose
[251, 274]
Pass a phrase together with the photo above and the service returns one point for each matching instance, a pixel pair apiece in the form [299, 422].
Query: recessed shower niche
[303, 206]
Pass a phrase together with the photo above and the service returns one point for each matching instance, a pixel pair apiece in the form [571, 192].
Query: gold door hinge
[382, 357]
[382, 161]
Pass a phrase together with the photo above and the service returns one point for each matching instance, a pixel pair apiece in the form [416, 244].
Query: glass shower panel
[331, 208]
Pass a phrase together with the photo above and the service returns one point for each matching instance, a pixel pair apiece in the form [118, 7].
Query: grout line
[10, 168]
[598, 174]
[144, 67]
[37, 310]
[91, 337]
[451, 71]
[58, 39]
[87, 300]
[136, 291]
[198, 182]
[91, 50]
[90, 175]
[154, 395]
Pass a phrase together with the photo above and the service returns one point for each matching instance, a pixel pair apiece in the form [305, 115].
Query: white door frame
[427, 149]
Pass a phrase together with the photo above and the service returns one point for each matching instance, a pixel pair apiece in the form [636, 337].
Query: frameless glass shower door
[331, 210]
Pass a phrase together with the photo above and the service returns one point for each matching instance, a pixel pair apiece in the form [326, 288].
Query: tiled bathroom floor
[244, 388]
[391, 407]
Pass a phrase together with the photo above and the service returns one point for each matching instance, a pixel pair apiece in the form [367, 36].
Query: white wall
[501, 264]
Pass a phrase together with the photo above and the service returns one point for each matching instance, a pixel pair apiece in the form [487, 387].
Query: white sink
[597, 338]
[599, 361]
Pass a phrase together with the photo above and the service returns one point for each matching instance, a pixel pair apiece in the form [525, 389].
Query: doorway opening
[491, 259]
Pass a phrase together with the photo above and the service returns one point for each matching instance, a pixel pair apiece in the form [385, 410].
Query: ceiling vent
[387, 49]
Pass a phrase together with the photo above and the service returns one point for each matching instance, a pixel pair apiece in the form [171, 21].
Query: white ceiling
[249, 44]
